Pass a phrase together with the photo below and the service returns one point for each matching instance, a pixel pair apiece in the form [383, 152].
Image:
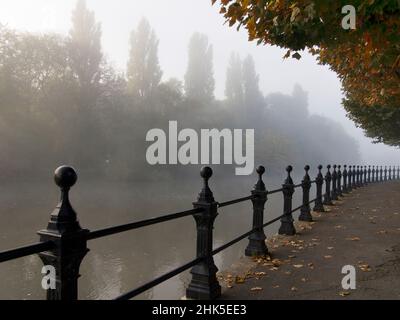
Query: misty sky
[174, 22]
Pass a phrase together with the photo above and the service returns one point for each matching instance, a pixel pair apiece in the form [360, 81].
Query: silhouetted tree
[234, 81]
[85, 51]
[199, 77]
[143, 70]
[253, 98]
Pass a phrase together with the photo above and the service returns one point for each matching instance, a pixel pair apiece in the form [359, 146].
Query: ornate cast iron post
[398, 172]
[361, 183]
[354, 185]
[339, 182]
[385, 179]
[381, 174]
[390, 173]
[69, 238]
[319, 181]
[349, 183]
[365, 182]
[305, 213]
[369, 175]
[204, 284]
[257, 246]
[287, 227]
[334, 193]
[328, 179]
[373, 174]
[345, 175]
[358, 184]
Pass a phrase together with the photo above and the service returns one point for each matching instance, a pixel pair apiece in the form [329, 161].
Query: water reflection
[119, 263]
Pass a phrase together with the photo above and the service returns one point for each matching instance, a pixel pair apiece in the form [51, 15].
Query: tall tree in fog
[199, 77]
[253, 97]
[87, 65]
[143, 70]
[234, 83]
[85, 51]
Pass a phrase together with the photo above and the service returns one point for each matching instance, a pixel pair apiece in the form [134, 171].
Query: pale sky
[174, 22]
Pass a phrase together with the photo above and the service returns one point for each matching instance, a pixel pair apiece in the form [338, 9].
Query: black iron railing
[63, 244]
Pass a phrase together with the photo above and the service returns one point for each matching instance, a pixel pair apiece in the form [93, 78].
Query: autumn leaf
[256, 289]
[353, 239]
[344, 293]
[239, 280]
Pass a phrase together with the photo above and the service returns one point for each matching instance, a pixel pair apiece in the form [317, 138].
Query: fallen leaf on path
[344, 293]
[330, 248]
[365, 267]
[256, 289]
[353, 239]
[294, 289]
[298, 266]
[328, 257]
[239, 280]
[277, 262]
[304, 279]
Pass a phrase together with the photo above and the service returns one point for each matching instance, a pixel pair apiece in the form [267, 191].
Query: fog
[76, 92]
[174, 22]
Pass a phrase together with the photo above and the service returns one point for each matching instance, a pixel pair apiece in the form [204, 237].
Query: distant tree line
[61, 102]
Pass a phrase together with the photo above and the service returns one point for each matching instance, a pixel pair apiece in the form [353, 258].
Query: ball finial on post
[260, 170]
[206, 173]
[65, 177]
[260, 186]
[206, 194]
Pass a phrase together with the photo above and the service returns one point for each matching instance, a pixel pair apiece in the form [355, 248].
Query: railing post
[287, 227]
[390, 173]
[369, 174]
[354, 184]
[257, 246]
[373, 174]
[328, 179]
[69, 238]
[361, 183]
[381, 174]
[204, 284]
[305, 213]
[398, 172]
[385, 174]
[349, 184]
[334, 194]
[358, 183]
[345, 175]
[319, 181]
[339, 182]
[365, 175]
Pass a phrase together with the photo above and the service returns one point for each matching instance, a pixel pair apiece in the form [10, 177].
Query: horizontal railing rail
[64, 242]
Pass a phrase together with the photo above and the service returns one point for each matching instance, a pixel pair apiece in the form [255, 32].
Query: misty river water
[117, 264]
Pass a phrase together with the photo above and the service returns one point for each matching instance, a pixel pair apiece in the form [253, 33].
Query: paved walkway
[363, 230]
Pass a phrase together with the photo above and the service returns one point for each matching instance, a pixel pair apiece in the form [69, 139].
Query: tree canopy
[366, 58]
